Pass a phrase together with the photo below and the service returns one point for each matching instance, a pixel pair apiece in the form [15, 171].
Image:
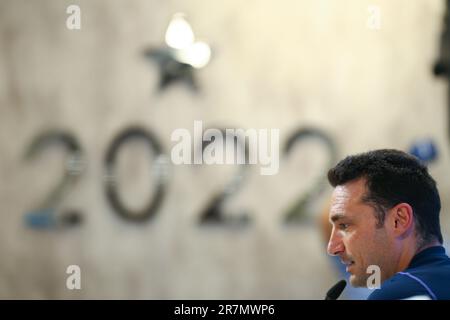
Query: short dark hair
[393, 177]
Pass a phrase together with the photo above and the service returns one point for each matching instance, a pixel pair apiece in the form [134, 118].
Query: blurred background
[86, 117]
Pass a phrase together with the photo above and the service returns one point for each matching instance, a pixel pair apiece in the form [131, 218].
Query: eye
[343, 226]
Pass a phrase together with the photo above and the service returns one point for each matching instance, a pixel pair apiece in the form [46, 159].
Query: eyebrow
[336, 217]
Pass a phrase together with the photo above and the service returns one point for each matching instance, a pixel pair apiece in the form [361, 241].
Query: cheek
[370, 246]
[360, 243]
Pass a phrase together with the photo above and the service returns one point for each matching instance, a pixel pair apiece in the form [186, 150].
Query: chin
[357, 282]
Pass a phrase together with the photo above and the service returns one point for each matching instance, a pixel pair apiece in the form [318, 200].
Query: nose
[335, 245]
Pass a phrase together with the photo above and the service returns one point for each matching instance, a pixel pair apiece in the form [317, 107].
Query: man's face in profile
[355, 236]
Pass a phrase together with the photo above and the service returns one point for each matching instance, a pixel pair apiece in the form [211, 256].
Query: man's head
[385, 208]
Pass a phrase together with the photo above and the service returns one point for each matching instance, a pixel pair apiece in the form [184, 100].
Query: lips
[348, 264]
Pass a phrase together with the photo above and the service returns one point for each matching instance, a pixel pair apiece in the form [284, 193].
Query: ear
[402, 220]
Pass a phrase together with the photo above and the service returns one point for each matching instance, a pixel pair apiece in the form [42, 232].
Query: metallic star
[181, 55]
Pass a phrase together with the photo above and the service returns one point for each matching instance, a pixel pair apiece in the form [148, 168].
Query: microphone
[336, 290]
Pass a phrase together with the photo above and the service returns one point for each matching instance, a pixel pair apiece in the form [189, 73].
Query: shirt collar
[426, 256]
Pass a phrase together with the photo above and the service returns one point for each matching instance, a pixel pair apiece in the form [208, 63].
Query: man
[385, 213]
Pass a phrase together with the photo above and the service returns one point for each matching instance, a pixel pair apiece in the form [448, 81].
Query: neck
[409, 252]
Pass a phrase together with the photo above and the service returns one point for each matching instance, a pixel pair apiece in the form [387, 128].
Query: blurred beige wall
[280, 65]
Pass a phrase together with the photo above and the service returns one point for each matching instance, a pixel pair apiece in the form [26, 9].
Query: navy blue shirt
[428, 274]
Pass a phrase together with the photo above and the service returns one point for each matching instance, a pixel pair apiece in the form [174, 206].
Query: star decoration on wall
[181, 55]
